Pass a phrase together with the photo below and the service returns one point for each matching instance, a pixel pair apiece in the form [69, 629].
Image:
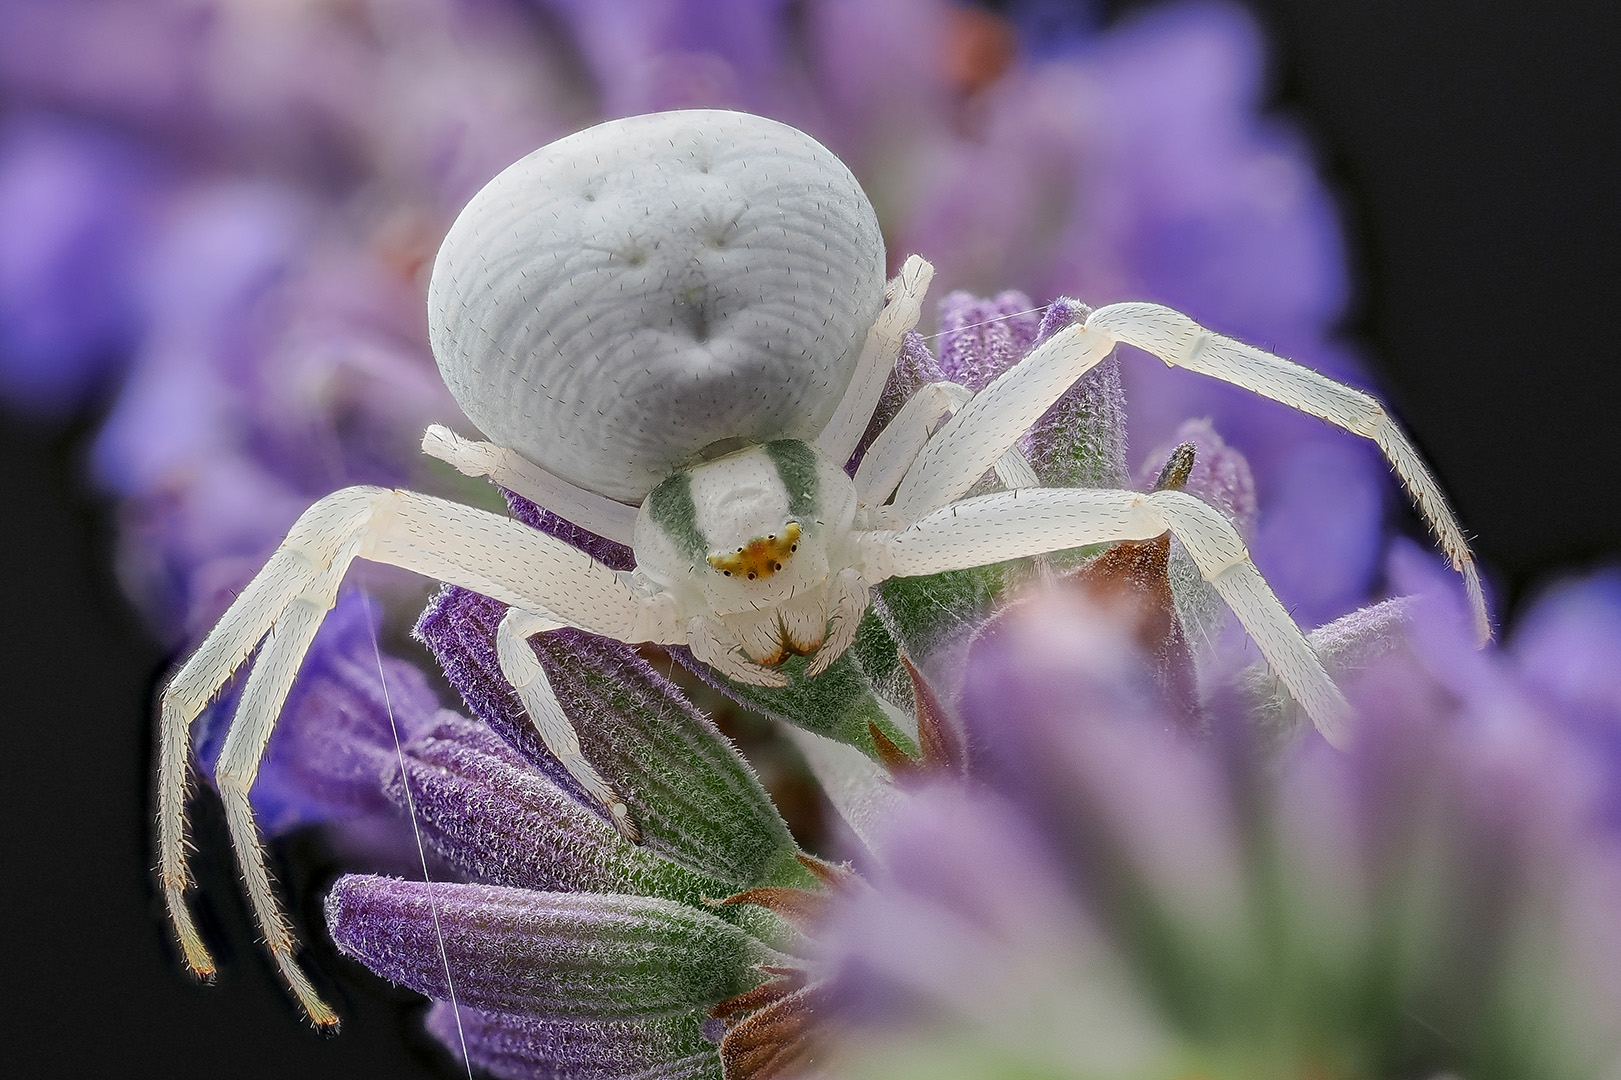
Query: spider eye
[793, 547]
[728, 573]
[776, 566]
[751, 577]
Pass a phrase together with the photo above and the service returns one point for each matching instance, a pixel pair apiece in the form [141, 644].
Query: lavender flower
[570, 951]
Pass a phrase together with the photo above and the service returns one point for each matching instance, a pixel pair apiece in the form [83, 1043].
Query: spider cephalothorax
[751, 548]
[675, 330]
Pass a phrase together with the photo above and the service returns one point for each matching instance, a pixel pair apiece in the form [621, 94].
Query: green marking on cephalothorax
[796, 468]
[671, 507]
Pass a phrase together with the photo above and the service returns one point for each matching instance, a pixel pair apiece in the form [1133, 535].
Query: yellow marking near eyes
[760, 557]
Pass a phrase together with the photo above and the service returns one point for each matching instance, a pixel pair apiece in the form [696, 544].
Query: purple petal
[586, 956]
[226, 246]
[1318, 538]
[675, 54]
[76, 207]
[527, 1047]
[1567, 649]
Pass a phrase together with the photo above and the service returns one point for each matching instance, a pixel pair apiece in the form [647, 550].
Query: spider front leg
[904, 437]
[1181, 342]
[1013, 524]
[521, 668]
[993, 421]
[904, 293]
[283, 607]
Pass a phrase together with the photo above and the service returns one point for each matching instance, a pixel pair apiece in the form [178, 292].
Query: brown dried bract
[1133, 579]
[801, 908]
[775, 1041]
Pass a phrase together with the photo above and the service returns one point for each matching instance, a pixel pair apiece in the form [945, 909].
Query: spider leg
[1181, 342]
[903, 438]
[522, 669]
[595, 513]
[849, 422]
[267, 687]
[851, 595]
[283, 607]
[1012, 524]
[992, 422]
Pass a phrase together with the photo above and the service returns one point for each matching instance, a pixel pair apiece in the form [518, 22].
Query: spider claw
[620, 817]
[824, 657]
[755, 675]
[724, 655]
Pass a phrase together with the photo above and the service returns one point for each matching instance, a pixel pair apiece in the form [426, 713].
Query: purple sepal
[487, 811]
[523, 1046]
[333, 742]
[1081, 440]
[578, 955]
[695, 799]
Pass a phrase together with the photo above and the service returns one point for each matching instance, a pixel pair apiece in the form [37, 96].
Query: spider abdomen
[620, 300]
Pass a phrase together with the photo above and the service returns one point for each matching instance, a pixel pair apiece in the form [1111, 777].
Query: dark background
[1473, 147]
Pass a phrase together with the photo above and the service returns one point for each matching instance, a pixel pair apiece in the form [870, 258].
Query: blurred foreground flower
[1114, 898]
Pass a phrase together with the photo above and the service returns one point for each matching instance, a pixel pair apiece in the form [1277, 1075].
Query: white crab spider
[675, 328]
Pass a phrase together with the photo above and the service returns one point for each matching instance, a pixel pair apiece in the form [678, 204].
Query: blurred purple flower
[1115, 899]
[266, 291]
[262, 188]
[76, 208]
